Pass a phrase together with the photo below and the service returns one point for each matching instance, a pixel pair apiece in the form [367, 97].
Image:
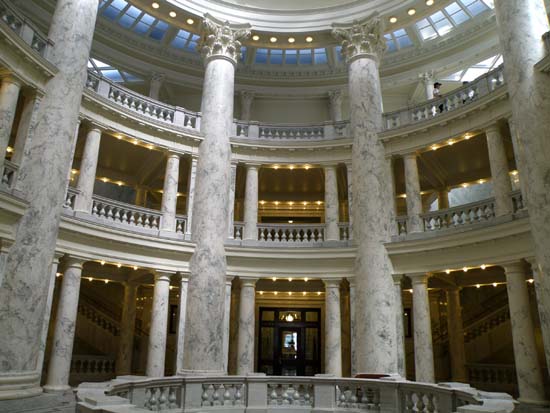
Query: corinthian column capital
[221, 39]
[363, 38]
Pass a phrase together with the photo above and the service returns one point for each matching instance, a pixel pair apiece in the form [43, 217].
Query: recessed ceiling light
[309, 39]
[291, 39]
[411, 12]
[190, 21]
[255, 37]
[429, 2]
[155, 5]
[393, 19]
[172, 14]
[273, 39]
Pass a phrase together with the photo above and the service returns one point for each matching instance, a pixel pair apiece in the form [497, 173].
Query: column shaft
[542, 290]
[9, 94]
[251, 204]
[156, 353]
[155, 84]
[127, 327]
[226, 323]
[43, 179]
[352, 329]
[349, 176]
[400, 327]
[27, 123]
[59, 366]
[245, 347]
[443, 199]
[414, 197]
[170, 192]
[88, 168]
[191, 196]
[141, 196]
[181, 322]
[455, 330]
[528, 371]
[333, 328]
[499, 171]
[331, 204]
[335, 103]
[247, 98]
[423, 347]
[231, 209]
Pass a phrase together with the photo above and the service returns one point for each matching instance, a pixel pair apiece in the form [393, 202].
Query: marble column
[414, 197]
[375, 339]
[352, 325]
[27, 124]
[528, 369]
[399, 321]
[231, 209]
[423, 346]
[335, 104]
[521, 25]
[180, 351]
[141, 196]
[428, 80]
[542, 290]
[43, 179]
[127, 327]
[226, 322]
[251, 203]
[443, 198]
[498, 161]
[349, 176]
[331, 204]
[59, 366]
[247, 97]
[333, 328]
[191, 195]
[455, 329]
[9, 94]
[170, 192]
[220, 46]
[157, 79]
[88, 168]
[247, 311]
[156, 352]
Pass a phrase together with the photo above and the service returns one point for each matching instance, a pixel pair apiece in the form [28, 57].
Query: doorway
[289, 341]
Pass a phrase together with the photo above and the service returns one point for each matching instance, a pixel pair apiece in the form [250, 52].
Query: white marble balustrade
[345, 231]
[91, 368]
[479, 211]
[9, 174]
[309, 233]
[119, 212]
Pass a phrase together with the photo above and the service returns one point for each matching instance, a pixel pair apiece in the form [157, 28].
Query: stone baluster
[362, 45]
[59, 366]
[400, 342]
[247, 97]
[331, 204]
[335, 98]
[27, 123]
[127, 327]
[170, 192]
[184, 283]
[43, 179]
[333, 328]
[226, 322]
[231, 209]
[9, 95]
[88, 168]
[191, 195]
[414, 196]
[155, 84]
[455, 331]
[220, 46]
[498, 161]
[247, 311]
[251, 203]
[542, 290]
[528, 370]
[159, 325]
[521, 25]
[349, 176]
[423, 346]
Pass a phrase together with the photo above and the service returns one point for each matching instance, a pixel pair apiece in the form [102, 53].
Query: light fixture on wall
[289, 318]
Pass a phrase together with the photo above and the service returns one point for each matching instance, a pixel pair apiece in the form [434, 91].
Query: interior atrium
[254, 206]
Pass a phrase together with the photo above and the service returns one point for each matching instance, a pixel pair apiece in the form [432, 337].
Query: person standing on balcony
[437, 95]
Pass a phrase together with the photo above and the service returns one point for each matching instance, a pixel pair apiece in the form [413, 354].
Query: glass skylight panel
[390, 43]
[144, 24]
[113, 75]
[113, 10]
[159, 30]
[477, 70]
[475, 7]
[305, 57]
[441, 23]
[489, 3]
[261, 56]
[276, 56]
[320, 56]
[338, 52]
[456, 13]
[291, 57]
[426, 30]
[130, 77]
[402, 38]
[129, 17]
[99, 64]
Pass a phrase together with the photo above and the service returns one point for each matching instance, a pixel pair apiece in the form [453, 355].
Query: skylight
[397, 40]
[111, 73]
[291, 56]
[477, 70]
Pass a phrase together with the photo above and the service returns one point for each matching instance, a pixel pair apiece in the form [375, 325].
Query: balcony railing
[282, 233]
[9, 174]
[263, 393]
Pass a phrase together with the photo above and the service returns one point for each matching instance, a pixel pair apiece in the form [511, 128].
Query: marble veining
[9, 93]
[333, 328]
[414, 197]
[184, 285]
[191, 196]
[127, 326]
[502, 186]
[332, 232]
[170, 192]
[251, 204]
[423, 344]
[87, 173]
[26, 127]
[400, 328]
[156, 352]
[245, 357]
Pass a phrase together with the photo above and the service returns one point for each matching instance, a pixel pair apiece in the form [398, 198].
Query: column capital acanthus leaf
[221, 39]
[363, 38]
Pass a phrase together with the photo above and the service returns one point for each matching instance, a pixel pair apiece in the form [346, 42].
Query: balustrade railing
[121, 213]
[181, 224]
[9, 174]
[309, 233]
[401, 224]
[262, 393]
[344, 230]
[91, 368]
[322, 131]
[24, 29]
[460, 215]
[492, 374]
[517, 201]
[238, 228]
[70, 198]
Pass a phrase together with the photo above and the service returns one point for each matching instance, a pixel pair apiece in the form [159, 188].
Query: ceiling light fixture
[483, 266]
[255, 37]
[190, 21]
[411, 12]
[291, 39]
[309, 39]
[172, 14]
[155, 5]
[273, 39]
[429, 2]
[393, 19]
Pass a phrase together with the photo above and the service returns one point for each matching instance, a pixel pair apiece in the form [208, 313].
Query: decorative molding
[222, 39]
[361, 39]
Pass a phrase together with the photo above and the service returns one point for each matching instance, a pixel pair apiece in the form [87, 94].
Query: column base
[19, 385]
[57, 388]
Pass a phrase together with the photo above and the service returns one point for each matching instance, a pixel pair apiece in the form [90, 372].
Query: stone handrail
[70, 198]
[258, 392]
[9, 174]
[25, 30]
[490, 321]
[291, 233]
[238, 228]
[181, 224]
[125, 214]
[483, 210]
[143, 105]
[91, 368]
[344, 230]
[454, 100]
